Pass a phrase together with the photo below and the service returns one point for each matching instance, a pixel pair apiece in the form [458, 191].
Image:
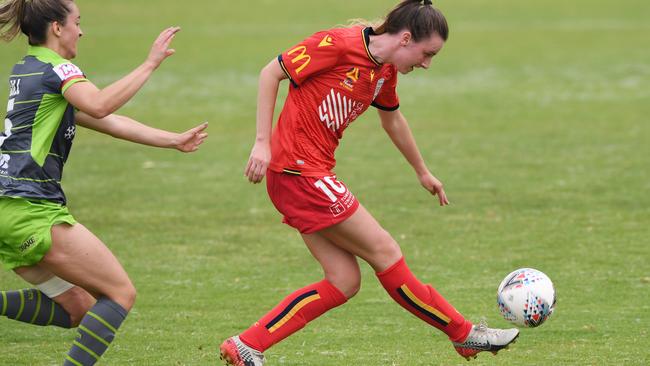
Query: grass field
[535, 116]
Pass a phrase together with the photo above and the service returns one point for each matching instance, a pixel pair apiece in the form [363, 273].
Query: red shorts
[310, 204]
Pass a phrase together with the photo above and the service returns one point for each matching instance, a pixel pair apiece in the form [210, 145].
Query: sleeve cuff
[388, 109]
[286, 72]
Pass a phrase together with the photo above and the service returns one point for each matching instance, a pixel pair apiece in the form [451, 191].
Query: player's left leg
[362, 235]
[53, 301]
[342, 281]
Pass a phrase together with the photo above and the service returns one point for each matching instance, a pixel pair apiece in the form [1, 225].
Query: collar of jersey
[367, 32]
[46, 55]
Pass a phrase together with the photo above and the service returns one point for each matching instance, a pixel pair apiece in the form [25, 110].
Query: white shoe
[235, 353]
[481, 338]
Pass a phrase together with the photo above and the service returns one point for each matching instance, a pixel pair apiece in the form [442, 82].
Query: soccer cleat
[481, 339]
[235, 353]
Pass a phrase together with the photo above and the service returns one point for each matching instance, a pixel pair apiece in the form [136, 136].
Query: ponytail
[418, 17]
[31, 17]
[11, 13]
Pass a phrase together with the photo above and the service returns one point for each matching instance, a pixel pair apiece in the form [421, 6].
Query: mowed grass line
[534, 116]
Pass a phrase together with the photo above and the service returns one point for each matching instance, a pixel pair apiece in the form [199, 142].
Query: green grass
[535, 116]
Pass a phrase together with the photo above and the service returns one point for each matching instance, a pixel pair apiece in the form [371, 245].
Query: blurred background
[534, 115]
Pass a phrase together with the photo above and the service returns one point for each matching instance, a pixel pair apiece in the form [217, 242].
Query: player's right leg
[79, 257]
[362, 235]
[341, 282]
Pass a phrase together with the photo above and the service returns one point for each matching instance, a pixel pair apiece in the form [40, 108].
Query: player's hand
[190, 140]
[258, 162]
[433, 185]
[160, 49]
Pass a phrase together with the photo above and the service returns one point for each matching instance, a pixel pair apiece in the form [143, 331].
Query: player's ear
[56, 28]
[405, 38]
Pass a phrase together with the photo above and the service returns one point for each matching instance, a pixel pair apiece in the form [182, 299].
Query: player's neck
[382, 46]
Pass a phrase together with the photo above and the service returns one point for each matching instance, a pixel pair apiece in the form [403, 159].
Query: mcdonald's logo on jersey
[302, 55]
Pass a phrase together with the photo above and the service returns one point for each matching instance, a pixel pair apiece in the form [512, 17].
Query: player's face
[70, 32]
[416, 54]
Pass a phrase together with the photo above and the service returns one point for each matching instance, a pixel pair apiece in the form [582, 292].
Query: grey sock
[34, 307]
[96, 332]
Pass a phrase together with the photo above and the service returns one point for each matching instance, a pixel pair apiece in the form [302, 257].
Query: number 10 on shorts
[339, 205]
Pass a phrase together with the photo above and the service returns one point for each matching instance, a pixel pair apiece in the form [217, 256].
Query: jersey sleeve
[62, 77]
[387, 99]
[317, 53]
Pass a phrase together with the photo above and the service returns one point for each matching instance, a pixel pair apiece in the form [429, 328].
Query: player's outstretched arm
[128, 129]
[260, 156]
[399, 132]
[100, 103]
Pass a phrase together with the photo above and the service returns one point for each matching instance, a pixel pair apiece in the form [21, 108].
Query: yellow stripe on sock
[4, 303]
[92, 334]
[22, 305]
[101, 320]
[38, 306]
[293, 311]
[49, 321]
[421, 304]
[67, 357]
[88, 350]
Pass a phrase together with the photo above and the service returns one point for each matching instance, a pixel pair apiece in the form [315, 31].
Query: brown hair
[31, 17]
[418, 17]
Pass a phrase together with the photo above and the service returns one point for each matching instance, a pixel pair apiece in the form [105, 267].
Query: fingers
[167, 35]
[255, 170]
[442, 197]
[199, 128]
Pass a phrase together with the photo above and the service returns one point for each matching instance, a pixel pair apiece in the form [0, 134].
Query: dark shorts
[310, 204]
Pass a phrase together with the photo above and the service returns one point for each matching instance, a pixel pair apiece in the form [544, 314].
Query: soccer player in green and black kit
[78, 281]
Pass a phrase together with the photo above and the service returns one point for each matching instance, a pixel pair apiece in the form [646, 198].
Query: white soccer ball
[526, 297]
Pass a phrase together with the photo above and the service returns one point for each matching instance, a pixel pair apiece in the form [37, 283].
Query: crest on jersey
[351, 77]
[380, 83]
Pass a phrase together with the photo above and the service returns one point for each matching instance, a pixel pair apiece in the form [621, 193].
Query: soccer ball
[526, 297]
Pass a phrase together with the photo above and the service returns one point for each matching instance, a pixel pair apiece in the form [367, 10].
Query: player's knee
[76, 302]
[386, 249]
[348, 283]
[125, 296]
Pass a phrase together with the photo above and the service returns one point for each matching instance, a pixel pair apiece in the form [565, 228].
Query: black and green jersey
[39, 127]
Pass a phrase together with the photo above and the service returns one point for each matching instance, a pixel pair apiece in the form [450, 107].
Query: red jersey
[334, 79]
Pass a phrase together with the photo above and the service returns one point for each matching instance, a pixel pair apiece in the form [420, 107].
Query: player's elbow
[98, 111]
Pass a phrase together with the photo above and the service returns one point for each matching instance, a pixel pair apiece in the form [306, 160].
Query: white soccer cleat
[235, 353]
[481, 339]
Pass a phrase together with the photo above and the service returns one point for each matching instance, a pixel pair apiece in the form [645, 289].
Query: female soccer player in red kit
[335, 76]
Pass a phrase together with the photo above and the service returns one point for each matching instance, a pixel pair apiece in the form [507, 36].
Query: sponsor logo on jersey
[67, 71]
[70, 132]
[338, 111]
[372, 75]
[327, 41]
[380, 83]
[27, 244]
[302, 55]
[351, 77]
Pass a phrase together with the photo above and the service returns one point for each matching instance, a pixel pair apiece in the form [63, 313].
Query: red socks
[423, 301]
[310, 302]
[292, 314]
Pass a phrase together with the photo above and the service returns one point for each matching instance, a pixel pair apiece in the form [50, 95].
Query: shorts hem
[336, 221]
